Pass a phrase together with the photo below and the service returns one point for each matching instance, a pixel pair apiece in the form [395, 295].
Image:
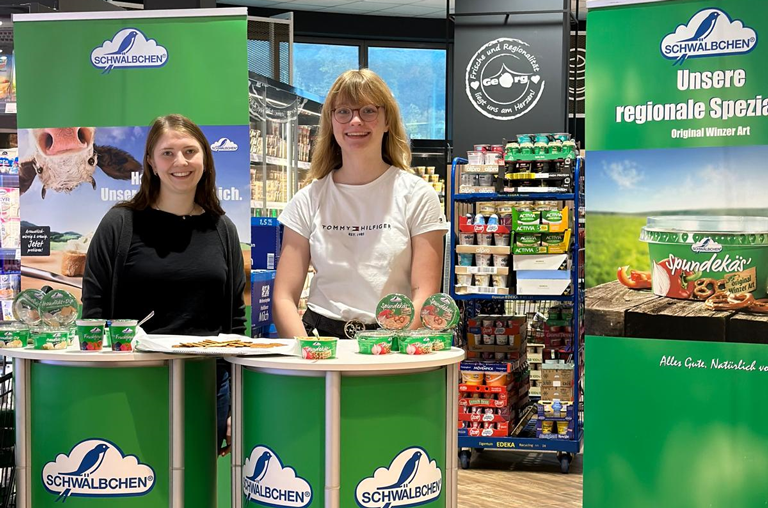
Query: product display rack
[565, 448]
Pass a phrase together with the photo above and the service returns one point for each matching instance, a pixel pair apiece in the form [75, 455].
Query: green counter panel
[128, 407]
[381, 416]
[287, 414]
[384, 415]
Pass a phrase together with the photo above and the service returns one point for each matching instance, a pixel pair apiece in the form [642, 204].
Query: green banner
[678, 424]
[677, 74]
[90, 85]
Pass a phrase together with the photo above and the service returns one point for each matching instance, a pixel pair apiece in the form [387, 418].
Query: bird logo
[705, 29]
[262, 465]
[125, 46]
[408, 473]
[412, 478]
[709, 32]
[91, 462]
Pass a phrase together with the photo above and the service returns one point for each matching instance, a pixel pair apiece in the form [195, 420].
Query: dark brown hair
[205, 195]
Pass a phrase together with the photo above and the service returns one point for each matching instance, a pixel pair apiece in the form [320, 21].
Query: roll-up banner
[677, 250]
[90, 85]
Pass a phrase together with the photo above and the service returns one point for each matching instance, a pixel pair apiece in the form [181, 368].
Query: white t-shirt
[360, 239]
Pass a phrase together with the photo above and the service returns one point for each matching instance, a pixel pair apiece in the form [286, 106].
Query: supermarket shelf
[277, 161]
[514, 197]
[521, 443]
[271, 205]
[514, 297]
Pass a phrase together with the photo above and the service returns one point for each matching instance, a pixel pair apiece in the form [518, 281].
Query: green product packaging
[318, 348]
[26, 307]
[440, 312]
[417, 342]
[377, 342]
[14, 336]
[527, 240]
[395, 312]
[442, 341]
[51, 339]
[552, 238]
[694, 257]
[552, 217]
[59, 308]
[527, 217]
[121, 334]
[90, 333]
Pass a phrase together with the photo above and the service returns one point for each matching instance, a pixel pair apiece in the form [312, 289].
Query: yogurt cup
[476, 158]
[58, 308]
[442, 341]
[376, 342]
[501, 239]
[489, 340]
[499, 281]
[527, 240]
[50, 339]
[318, 348]
[90, 334]
[395, 312]
[484, 238]
[121, 334]
[552, 238]
[417, 342]
[466, 239]
[464, 279]
[466, 259]
[483, 259]
[440, 312]
[502, 340]
[692, 257]
[496, 379]
[485, 180]
[14, 335]
[482, 279]
[469, 377]
[501, 260]
[26, 307]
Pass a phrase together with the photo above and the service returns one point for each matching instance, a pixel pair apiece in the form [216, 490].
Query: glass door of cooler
[283, 128]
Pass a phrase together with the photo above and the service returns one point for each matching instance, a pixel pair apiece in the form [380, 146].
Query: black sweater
[108, 294]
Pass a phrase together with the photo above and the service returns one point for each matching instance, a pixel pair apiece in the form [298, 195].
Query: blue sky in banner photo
[685, 179]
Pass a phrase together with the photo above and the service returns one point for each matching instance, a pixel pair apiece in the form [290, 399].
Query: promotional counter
[358, 430]
[124, 429]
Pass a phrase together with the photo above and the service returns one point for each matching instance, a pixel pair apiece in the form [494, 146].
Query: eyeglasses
[367, 113]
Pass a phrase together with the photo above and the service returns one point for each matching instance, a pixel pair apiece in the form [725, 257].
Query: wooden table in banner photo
[617, 311]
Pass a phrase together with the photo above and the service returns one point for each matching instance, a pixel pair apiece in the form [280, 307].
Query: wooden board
[617, 311]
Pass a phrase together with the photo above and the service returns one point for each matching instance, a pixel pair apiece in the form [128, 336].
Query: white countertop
[74, 354]
[349, 360]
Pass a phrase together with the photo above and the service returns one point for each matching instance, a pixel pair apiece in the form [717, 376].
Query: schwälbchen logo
[411, 479]
[97, 468]
[266, 481]
[129, 48]
[224, 145]
[709, 32]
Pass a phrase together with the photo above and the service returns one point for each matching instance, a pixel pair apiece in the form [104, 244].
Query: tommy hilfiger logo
[356, 230]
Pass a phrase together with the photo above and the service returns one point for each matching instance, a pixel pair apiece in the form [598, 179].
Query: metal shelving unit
[565, 448]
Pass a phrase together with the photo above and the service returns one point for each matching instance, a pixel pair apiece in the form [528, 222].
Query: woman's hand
[426, 269]
[289, 282]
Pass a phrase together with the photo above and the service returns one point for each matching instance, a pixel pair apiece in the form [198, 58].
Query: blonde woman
[365, 222]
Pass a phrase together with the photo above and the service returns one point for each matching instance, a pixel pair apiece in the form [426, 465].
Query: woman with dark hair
[171, 249]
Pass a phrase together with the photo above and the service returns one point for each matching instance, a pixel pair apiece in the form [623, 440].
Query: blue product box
[262, 286]
[266, 242]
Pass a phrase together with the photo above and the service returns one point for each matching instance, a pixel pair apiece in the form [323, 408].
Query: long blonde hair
[359, 87]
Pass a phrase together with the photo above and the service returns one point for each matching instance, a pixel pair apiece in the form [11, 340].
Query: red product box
[471, 228]
[488, 414]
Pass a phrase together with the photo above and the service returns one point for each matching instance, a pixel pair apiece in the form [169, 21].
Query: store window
[316, 66]
[417, 79]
